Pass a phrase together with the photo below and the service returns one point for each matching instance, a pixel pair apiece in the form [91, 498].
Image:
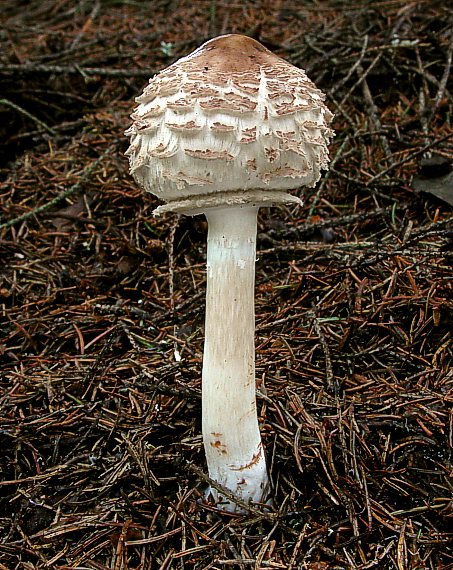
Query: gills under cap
[229, 123]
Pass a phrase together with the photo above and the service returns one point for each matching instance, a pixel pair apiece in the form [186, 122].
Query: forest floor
[102, 311]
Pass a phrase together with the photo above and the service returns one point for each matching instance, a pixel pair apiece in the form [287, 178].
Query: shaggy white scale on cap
[222, 132]
[231, 116]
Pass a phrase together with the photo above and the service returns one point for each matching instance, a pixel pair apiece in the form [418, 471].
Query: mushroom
[223, 131]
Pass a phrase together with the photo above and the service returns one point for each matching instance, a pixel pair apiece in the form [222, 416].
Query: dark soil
[102, 465]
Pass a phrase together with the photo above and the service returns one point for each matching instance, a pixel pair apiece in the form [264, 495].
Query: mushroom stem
[231, 436]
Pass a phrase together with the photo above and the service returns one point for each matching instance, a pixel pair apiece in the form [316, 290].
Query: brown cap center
[232, 53]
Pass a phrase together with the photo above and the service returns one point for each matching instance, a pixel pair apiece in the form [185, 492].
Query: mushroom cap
[229, 123]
